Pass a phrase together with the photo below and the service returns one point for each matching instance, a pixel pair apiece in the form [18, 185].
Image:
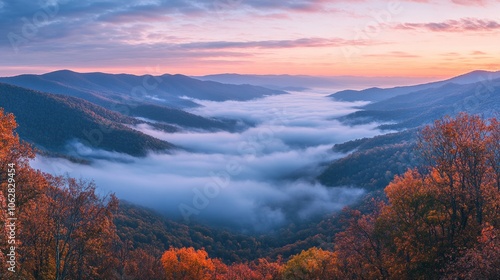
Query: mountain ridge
[166, 89]
[376, 94]
[52, 121]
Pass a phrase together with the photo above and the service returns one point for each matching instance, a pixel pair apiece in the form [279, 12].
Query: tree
[312, 264]
[433, 216]
[456, 150]
[187, 263]
[414, 226]
[268, 270]
[361, 249]
[82, 228]
[240, 271]
[481, 261]
[140, 264]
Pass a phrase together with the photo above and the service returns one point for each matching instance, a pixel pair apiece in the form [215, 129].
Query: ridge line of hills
[56, 108]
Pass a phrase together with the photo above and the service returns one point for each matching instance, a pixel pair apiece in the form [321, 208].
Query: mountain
[371, 163]
[424, 106]
[181, 118]
[149, 229]
[282, 82]
[378, 94]
[166, 90]
[121, 94]
[51, 121]
[305, 82]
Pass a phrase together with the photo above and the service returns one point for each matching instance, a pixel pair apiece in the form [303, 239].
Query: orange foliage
[64, 230]
[431, 216]
[187, 263]
[481, 261]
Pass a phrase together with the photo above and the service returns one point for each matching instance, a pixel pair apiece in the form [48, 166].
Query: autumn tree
[482, 261]
[268, 270]
[82, 228]
[436, 216]
[240, 271]
[220, 270]
[138, 263]
[361, 249]
[64, 230]
[456, 149]
[493, 146]
[312, 264]
[14, 155]
[187, 264]
[413, 226]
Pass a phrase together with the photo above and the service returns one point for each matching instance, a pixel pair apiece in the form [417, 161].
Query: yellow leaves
[312, 264]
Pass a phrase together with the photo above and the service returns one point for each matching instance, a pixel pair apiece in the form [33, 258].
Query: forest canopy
[437, 221]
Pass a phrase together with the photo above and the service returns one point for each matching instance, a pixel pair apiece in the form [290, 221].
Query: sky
[412, 38]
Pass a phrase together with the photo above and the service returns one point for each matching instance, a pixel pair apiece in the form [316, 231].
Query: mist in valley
[255, 180]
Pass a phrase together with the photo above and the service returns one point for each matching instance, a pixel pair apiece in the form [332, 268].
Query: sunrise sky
[196, 37]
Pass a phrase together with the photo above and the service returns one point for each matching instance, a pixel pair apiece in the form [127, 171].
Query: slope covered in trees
[380, 94]
[439, 222]
[62, 229]
[51, 121]
[436, 222]
[371, 163]
[418, 108]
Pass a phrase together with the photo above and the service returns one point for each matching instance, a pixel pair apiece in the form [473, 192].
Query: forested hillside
[418, 108]
[380, 94]
[440, 221]
[372, 163]
[51, 121]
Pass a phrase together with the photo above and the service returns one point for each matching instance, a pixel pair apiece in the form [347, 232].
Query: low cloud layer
[258, 179]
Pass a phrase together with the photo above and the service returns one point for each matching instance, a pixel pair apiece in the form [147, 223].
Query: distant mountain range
[476, 93]
[57, 108]
[74, 104]
[166, 90]
[379, 94]
[304, 82]
[371, 163]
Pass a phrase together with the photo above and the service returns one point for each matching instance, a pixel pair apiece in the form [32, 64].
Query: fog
[255, 180]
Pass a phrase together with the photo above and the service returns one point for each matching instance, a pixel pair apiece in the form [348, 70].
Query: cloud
[256, 180]
[272, 44]
[293, 5]
[461, 25]
[478, 53]
[393, 54]
[470, 2]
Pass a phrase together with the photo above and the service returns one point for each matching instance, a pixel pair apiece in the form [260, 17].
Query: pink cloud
[461, 25]
[393, 54]
[478, 53]
[470, 2]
